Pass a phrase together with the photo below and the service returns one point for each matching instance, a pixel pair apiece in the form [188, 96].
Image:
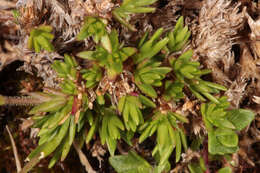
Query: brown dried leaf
[6, 5]
[255, 34]
[13, 54]
[248, 64]
[219, 22]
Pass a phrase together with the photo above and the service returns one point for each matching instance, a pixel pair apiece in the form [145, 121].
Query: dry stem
[16, 156]
[83, 159]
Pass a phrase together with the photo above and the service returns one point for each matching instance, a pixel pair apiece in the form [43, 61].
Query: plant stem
[18, 101]
[122, 21]
[206, 154]
[83, 159]
[16, 156]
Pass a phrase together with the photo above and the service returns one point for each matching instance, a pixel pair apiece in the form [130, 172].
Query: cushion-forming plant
[78, 110]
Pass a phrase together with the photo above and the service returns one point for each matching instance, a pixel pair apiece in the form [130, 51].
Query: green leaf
[225, 170]
[86, 55]
[150, 48]
[105, 41]
[93, 26]
[45, 28]
[178, 145]
[180, 117]
[227, 137]
[117, 122]
[130, 163]
[240, 118]
[195, 168]
[215, 147]
[104, 131]
[69, 60]
[173, 90]
[111, 144]
[130, 7]
[134, 114]
[179, 36]
[148, 90]
[162, 136]
[121, 104]
[44, 43]
[40, 38]
[56, 156]
[183, 139]
[148, 131]
[49, 106]
[36, 45]
[48, 147]
[129, 51]
[146, 101]
[91, 131]
[127, 137]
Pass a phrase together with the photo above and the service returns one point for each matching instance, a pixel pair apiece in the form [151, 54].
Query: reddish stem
[74, 106]
[206, 154]
[134, 94]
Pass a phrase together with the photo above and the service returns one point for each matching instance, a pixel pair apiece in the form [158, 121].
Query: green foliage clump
[110, 55]
[110, 129]
[179, 36]
[65, 110]
[222, 125]
[169, 135]
[92, 76]
[95, 27]
[40, 38]
[149, 73]
[188, 72]
[97, 103]
[173, 90]
[129, 107]
[132, 6]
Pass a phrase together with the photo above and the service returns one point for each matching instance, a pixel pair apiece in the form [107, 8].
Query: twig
[83, 159]
[31, 164]
[16, 156]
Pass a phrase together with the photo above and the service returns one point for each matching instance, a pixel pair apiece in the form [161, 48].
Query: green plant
[195, 167]
[40, 38]
[129, 7]
[110, 129]
[200, 167]
[130, 163]
[149, 74]
[222, 125]
[65, 110]
[95, 27]
[173, 90]
[129, 107]
[225, 170]
[110, 55]
[188, 72]
[169, 135]
[92, 76]
[178, 37]
[96, 101]
[150, 48]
